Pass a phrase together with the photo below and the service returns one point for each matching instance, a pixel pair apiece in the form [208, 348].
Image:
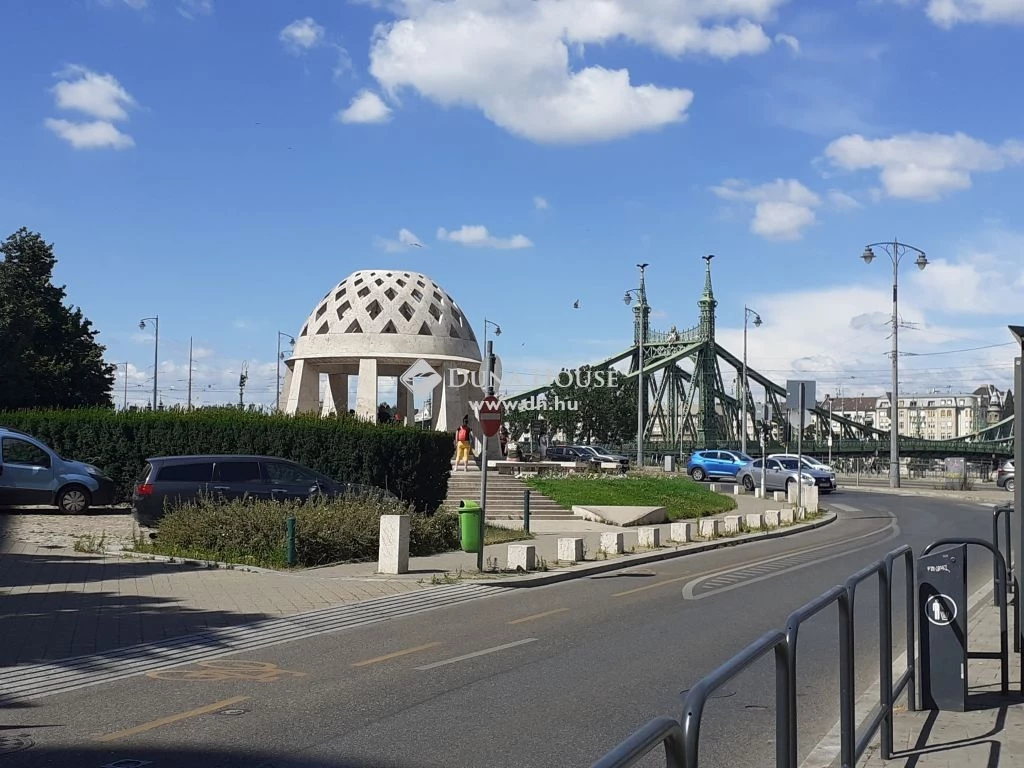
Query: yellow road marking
[652, 586]
[538, 616]
[170, 719]
[395, 655]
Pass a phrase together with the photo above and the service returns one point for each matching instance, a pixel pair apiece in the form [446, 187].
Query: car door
[180, 483]
[756, 470]
[286, 481]
[775, 476]
[26, 473]
[235, 479]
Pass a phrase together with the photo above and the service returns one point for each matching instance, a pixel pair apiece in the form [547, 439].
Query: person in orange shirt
[463, 436]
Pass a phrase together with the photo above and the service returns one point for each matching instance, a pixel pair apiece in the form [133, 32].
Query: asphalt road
[543, 677]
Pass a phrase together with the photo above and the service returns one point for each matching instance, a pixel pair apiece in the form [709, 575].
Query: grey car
[780, 473]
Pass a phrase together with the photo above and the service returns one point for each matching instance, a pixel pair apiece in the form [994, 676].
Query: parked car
[1004, 476]
[566, 453]
[780, 474]
[599, 456]
[174, 480]
[32, 473]
[808, 461]
[708, 464]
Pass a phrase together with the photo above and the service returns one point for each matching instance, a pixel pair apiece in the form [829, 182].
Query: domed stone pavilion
[378, 323]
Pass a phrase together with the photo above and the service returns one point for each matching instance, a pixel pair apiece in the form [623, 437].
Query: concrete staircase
[504, 496]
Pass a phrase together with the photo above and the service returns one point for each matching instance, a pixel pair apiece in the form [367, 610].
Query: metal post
[526, 510]
[894, 408]
[156, 360]
[291, 541]
[800, 455]
[830, 432]
[1017, 543]
[885, 659]
[743, 392]
[764, 449]
[126, 386]
[483, 462]
[190, 373]
[278, 401]
[847, 690]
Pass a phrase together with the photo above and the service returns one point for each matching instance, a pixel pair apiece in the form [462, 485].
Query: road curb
[210, 564]
[627, 561]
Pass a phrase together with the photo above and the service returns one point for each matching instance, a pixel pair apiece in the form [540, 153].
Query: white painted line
[473, 655]
[843, 507]
[827, 750]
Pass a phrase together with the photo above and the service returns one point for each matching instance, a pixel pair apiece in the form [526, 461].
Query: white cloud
[405, 241]
[100, 96]
[947, 13]
[302, 35]
[923, 166]
[192, 8]
[98, 134]
[366, 107]
[513, 60]
[540, 203]
[783, 208]
[986, 278]
[792, 42]
[478, 237]
[843, 201]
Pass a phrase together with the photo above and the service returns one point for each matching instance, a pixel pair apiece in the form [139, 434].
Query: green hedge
[413, 464]
[327, 531]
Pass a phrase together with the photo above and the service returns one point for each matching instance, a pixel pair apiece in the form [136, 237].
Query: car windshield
[742, 457]
[788, 463]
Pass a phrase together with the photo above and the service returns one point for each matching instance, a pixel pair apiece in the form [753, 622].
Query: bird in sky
[576, 304]
[416, 245]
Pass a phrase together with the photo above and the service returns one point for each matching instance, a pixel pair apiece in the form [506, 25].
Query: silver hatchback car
[780, 473]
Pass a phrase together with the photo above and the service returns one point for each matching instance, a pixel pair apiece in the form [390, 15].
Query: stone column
[304, 388]
[336, 397]
[366, 390]
[405, 405]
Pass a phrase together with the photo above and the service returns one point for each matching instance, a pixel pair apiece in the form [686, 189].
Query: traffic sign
[940, 610]
[490, 416]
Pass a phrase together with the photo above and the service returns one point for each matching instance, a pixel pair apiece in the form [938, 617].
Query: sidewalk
[990, 736]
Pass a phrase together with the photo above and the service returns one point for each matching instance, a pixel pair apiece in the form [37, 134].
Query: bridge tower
[705, 367]
[641, 338]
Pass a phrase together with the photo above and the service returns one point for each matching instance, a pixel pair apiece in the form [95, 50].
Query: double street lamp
[156, 353]
[896, 251]
[747, 312]
[641, 328]
[280, 357]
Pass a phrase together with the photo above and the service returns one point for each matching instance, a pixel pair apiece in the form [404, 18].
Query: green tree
[49, 357]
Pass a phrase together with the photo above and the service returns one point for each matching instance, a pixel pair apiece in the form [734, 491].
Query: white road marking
[827, 750]
[473, 655]
[690, 587]
[843, 507]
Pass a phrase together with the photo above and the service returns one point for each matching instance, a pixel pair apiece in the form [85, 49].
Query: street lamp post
[497, 332]
[896, 251]
[747, 312]
[829, 398]
[156, 353]
[280, 357]
[641, 313]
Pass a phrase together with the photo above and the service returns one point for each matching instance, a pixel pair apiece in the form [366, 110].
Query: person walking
[463, 436]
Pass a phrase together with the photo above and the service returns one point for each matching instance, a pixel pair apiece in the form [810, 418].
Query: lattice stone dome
[387, 313]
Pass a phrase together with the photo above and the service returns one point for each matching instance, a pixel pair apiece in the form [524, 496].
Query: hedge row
[413, 464]
[326, 531]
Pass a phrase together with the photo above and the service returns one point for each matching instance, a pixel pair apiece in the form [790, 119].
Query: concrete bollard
[733, 523]
[710, 528]
[786, 517]
[755, 521]
[570, 550]
[771, 518]
[681, 532]
[758, 493]
[779, 496]
[612, 544]
[649, 537]
[811, 499]
[393, 554]
[713, 487]
[800, 513]
[737, 490]
[522, 557]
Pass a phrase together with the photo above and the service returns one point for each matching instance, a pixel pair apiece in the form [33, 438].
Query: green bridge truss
[687, 409]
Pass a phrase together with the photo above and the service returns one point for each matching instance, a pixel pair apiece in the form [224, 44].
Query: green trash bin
[469, 525]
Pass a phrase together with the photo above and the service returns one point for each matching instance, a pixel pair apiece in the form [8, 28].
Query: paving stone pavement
[990, 736]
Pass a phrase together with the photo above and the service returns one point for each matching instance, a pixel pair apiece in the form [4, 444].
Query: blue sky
[224, 164]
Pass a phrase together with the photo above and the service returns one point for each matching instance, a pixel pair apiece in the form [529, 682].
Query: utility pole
[483, 460]
[126, 385]
[242, 379]
[190, 373]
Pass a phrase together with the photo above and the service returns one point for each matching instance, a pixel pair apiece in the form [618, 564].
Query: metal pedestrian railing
[681, 740]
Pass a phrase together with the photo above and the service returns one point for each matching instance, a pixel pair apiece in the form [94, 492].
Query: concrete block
[681, 532]
[522, 556]
[393, 554]
[758, 493]
[710, 528]
[754, 521]
[612, 544]
[737, 490]
[713, 487]
[570, 550]
[800, 513]
[779, 496]
[733, 523]
[786, 517]
[811, 497]
[792, 489]
[649, 537]
[771, 518]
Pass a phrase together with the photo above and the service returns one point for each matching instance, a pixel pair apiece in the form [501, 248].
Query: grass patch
[681, 496]
[494, 534]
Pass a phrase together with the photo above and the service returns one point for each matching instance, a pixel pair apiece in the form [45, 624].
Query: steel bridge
[686, 406]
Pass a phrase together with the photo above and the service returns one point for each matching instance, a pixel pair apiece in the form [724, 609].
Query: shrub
[413, 464]
[326, 531]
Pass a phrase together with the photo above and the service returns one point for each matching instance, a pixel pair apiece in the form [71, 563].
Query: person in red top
[463, 435]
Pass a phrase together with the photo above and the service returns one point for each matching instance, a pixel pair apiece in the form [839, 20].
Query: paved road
[539, 677]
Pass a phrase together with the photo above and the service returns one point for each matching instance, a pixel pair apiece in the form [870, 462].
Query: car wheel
[748, 482]
[73, 500]
[1009, 485]
[698, 474]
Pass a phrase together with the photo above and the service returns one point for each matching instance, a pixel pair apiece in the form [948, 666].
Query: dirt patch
[45, 528]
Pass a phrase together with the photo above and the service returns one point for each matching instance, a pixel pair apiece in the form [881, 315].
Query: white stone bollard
[733, 523]
[713, 487]
[811, 499]
[799, 513]
[393, 554]
[522, 556]
[649, 537]
[758, 493]
[771, 518]
[737, 490]
[682, 532]
[570, 550]
[779, 496]
[612, 544]
[710, 528]
[755, 521]
[786, 517]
